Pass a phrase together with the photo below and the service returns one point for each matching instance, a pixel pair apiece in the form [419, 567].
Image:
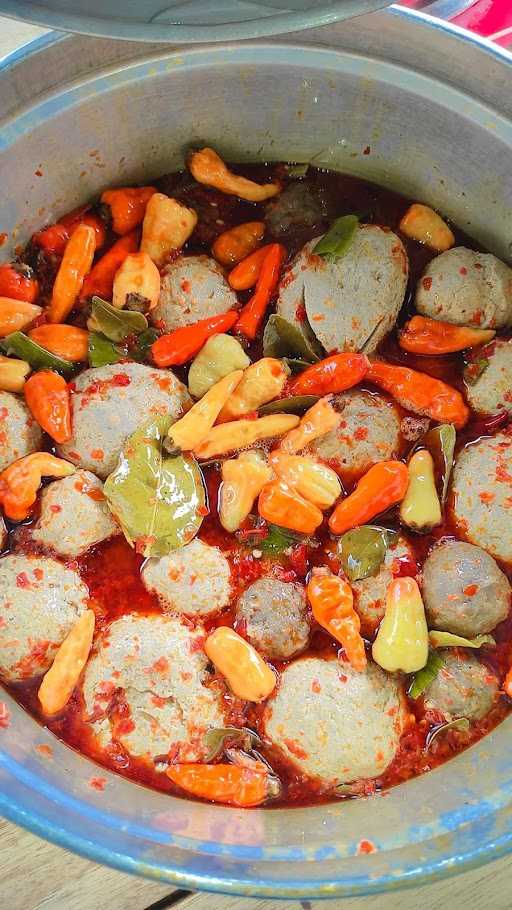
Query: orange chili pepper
[47, 397]
[247, 272]
[507, 684]
[16, 315]
[100, 279]
[76, 264]
[332, 603]
[235, 244]
[20, 482]
[127, 206]
[383, 486]
[334, 374]
[181, 345]
[54, 238]
[280, 505]
[66, 341]
[17, 282]
[420, 393]
[318, 420]
[231, 785]
[253, 312]
[422, 335]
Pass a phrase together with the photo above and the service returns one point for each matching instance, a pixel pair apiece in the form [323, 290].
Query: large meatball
[466, 288]
[492, 391]
[20, 434]
[370, 592]
[274, 617]
[482, 494]
[193, 288]
[464, 590]
[369, 432]
[195, 580]
[147, 687]
[352, 301]
[110, 403]
[40, 601]
[334, 723]
[463, 687]
[74, 515]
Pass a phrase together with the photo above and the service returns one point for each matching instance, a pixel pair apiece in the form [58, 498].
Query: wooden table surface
[35, 875]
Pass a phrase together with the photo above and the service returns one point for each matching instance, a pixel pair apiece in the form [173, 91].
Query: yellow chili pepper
[421, 223]
[247, 674]
[243, 479]
[402, 639]
[314, 481]
[58, 683]
[420, 509]
[189, 432]
[320, 419]
[262, 381]
[227, 437]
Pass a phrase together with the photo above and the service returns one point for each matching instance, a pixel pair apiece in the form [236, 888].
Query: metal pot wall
[433, 107]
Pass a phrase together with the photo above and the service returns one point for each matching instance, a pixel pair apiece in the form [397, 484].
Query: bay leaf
[284, 339]
[338, 239]
[102, 351]
[459, 723]
[216, 740]
[296, 404]
[363, 550]
[440, 442]
[422, 679]
[114, 323]
[440, 639]
[159, 501]
[18, 344]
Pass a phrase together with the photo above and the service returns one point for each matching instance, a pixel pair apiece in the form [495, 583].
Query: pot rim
[479, 843]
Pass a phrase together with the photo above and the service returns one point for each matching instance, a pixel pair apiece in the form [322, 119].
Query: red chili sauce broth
[112, 570]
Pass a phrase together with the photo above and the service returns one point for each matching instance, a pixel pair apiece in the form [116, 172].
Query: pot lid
[185, 21]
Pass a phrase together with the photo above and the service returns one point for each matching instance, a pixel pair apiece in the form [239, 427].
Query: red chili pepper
[422, 335]
[100, 279]
[54, 238]
[127, 206]
[181, 345]
[253, 312]
[17, 282]
[334, 374]
[420, 393]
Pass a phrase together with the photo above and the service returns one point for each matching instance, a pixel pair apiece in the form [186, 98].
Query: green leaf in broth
[338, 239]
[424, 677]
[474, 369]
[440, 639]
[296, 404]
[217, 739]
[116, 324]
[159, 501]
[363, 550]
[297, 170]
[440, 442]
[295, 364]
[19, 345]
[460, 723]
[141, 348]
[102, 351]
[283, 339]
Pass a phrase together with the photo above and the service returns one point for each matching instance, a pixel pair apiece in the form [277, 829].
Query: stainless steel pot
[434, 107]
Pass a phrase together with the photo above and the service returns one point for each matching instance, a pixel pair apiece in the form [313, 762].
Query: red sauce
[112, 571]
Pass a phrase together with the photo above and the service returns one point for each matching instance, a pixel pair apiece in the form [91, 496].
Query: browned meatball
[273, 615]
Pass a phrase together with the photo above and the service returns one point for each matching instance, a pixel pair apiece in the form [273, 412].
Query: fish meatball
[195, 580]
[466, 288]
[370, 592]
[74, 515]
[482, 494]
[334, 723]
[273, 616]
[109, 403]
[492, 391]
[463, 687]
[20, 434]
[464, 590]
[40, 601]
[352, 301]
[147, 687]
[369, 432]
[193, 288]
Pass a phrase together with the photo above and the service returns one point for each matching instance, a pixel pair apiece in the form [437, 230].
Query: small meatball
[74, 515]
[109, 403]
[147, 687]
[482, 494]
[370, 592]
[298, 209]
[193, 288]
[464, 590]
[369, 432]
[20, 434]
[333, 723]
[40, 601]
[195, 580]
[466, 288]
[351, 302]
[463, 687]
[492, 392]
[273, 616]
